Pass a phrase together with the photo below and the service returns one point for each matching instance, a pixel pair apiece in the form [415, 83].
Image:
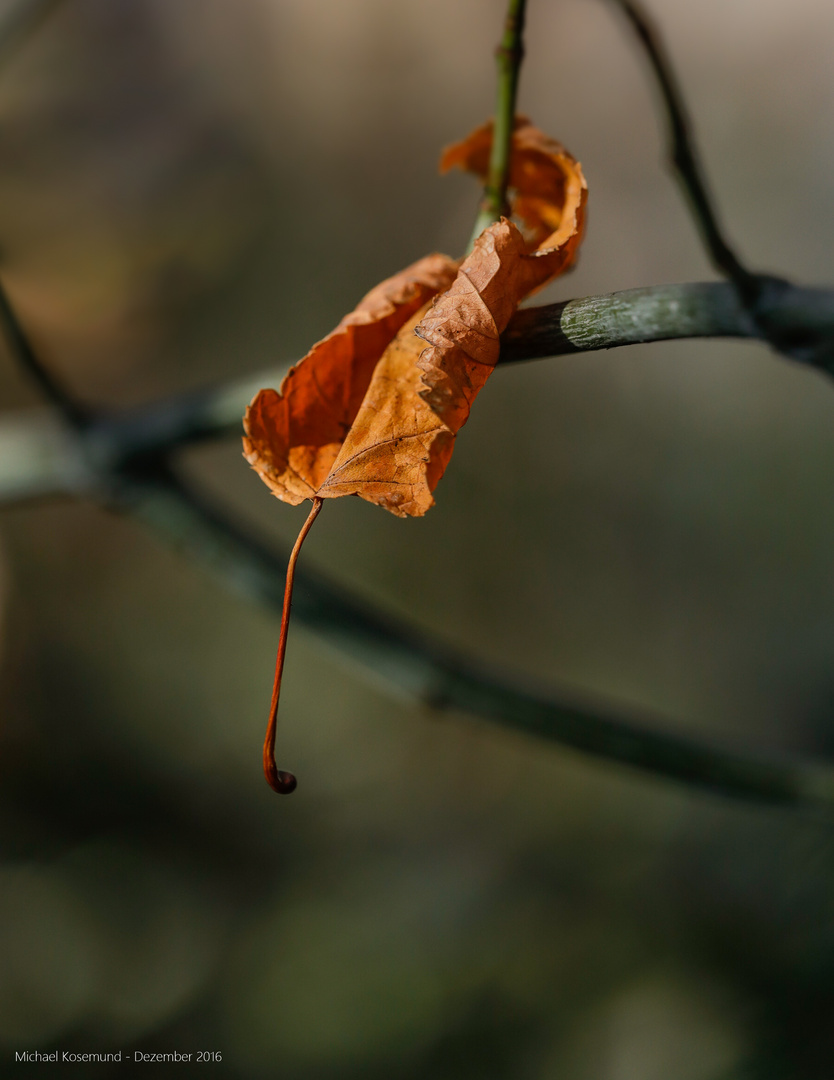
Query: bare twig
[636, 316]
[760, 293]
[508, 55]
[683, 155]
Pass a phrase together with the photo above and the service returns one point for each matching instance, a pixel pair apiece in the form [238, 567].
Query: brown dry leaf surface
[374, 408]
[293, 436]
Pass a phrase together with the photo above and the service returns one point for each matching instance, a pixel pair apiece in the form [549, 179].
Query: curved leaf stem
[284, 782]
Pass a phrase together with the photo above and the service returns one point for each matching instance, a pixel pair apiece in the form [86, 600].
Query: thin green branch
[636, 316]
[509, 56]
[419, 667]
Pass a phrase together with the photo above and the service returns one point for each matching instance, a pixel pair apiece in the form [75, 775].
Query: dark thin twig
[759, 293]
[25, 354]
[424, 668]
[684, 157]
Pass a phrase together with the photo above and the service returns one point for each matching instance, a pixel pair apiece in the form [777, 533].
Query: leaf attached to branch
[374, 408]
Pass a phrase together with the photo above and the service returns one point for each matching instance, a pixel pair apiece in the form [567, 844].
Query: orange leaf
[294, 435]
[371, 410]
[374, 408]
[550, 190]
[464, 325]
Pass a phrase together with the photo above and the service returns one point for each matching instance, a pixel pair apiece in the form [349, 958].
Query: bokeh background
[192, 191]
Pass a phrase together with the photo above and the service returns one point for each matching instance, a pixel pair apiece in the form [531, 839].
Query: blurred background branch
[18, 20]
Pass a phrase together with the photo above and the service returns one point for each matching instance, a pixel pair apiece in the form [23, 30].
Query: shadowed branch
[683, 155]
[759, 293]
[40, 455]
[419, 667]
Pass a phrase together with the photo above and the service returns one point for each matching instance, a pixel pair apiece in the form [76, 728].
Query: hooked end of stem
[281, 782]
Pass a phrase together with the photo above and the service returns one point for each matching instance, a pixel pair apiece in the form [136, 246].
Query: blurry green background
[192, 191]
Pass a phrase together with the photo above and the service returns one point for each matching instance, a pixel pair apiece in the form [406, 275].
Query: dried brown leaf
[547, 186]
[374, 408]
[293, 436]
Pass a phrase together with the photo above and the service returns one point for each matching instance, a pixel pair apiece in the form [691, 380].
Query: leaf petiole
[279, 780]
